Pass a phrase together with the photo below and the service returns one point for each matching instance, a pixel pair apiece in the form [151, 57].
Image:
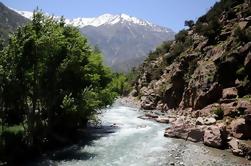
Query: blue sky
[168, 13]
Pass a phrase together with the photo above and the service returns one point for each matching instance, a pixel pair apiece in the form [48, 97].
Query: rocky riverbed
[204, 127]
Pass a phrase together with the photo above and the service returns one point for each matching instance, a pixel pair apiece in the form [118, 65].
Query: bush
[243, 35]
[219, 112]
[189, 23]
[209, 30]
[177, 49]
[241, 72]
[181, 36]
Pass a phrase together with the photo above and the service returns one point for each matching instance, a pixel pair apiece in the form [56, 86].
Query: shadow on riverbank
[84, 137]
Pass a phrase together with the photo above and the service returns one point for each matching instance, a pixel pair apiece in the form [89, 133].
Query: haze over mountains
[125, 41]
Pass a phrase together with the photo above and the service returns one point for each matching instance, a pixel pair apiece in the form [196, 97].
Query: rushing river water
[126, 140]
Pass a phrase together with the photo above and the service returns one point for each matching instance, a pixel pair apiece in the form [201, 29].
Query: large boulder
[209, 121]
[148, 102]
[229, 93]
[244, 106]
[215, 136]
[240, 128]
[240, 148]
[230, 109]
[196, 134]
[186, 131]
[178, 129]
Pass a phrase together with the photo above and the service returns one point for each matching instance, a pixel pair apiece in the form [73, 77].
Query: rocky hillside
[9, 21]
[205, 73]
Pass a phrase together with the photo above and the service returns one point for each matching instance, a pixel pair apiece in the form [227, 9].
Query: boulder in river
[162, 119]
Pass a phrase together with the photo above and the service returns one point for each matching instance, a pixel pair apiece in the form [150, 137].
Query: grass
[247, 97]
[12, 129]
[219, 112]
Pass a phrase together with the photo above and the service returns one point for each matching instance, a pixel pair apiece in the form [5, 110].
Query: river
[125, 140]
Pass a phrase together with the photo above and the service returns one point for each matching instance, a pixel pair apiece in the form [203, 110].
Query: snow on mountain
[26, 14]
[105, 19]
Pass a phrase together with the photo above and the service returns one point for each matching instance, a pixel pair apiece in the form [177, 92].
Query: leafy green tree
[52, 80]
[189, 23]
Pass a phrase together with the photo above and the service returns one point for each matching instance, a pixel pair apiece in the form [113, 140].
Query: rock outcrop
[240, 148]
[199, 68]
[215, 136]
[204, 76]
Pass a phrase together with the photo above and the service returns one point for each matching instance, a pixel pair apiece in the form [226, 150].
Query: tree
[189, 23]
[53, 80]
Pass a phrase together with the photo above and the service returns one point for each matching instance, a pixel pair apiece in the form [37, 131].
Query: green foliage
[216, 11]
[241, 72]
[247, 97]
[177, 49]
[14, 129]
[120, 84]
[210, 29]
[219, 112]
[52, 80]
[181, 36]
[189, 23]
[243, 35]
[160, 50]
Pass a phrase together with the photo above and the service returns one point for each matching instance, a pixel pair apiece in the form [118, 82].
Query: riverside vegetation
[51, 83]
[203, 78]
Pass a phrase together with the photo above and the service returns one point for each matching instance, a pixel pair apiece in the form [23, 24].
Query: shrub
[219, 112]
[177, 49]
[189, 23]
[241, 72]
[181, 36]
[210, 29]
[243, 35]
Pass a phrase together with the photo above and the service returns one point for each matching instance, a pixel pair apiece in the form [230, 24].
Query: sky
[168, 13]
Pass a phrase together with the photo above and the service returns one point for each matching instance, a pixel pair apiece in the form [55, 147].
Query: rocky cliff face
[204, 78]
[193, 71]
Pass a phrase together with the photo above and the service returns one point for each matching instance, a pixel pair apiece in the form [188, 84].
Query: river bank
[124, 139]
[201, 127]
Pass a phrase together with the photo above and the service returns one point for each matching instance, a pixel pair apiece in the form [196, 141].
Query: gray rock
[209, 121]
[162, 120]
[199, 121]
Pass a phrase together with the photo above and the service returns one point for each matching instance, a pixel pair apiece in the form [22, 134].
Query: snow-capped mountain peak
[105, 19]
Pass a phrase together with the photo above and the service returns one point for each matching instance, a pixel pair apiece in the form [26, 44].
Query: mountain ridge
[103, 19]
[124, 40]
[9, 21]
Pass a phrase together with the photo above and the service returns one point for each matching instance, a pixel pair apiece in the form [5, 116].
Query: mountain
[203, 79]
[9, 21]
[124, 40]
